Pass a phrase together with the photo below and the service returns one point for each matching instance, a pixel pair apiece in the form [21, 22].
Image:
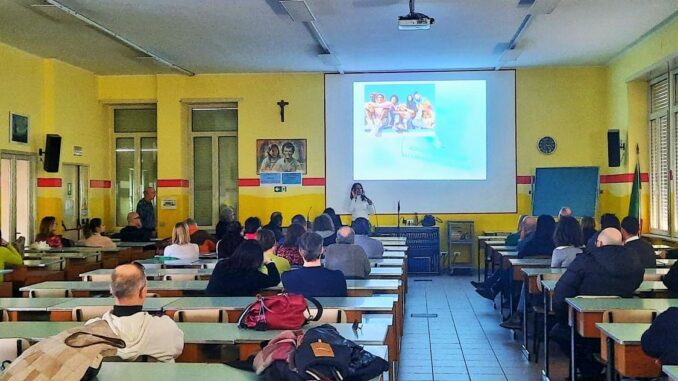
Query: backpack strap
[318, 308]
[112, 341]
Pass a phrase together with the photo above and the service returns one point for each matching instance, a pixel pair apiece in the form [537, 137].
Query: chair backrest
[50, 293]
[652, 277]
[541, 277]
[180, 277]
[152, 295]
[10, 349]
[152, 266]
[629, 316]
[4, 316]
[201, 316]
[98, 278]
[84, 313]
[330, 315]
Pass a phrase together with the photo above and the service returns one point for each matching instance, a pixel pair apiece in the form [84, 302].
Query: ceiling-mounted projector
[414, 20]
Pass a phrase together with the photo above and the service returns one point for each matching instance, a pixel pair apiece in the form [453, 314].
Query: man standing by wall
[146, 211]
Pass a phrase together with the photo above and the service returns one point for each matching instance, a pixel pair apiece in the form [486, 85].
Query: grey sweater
[349, 259]
[564, 255]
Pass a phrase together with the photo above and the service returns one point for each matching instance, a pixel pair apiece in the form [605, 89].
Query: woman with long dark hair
[47, 233]
[240, 275]
[359, 205]
[290, 247]
[93, 235]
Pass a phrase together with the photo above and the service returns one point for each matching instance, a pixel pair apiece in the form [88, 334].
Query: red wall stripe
[105, 184]
[622, 178]
[248, 182]
[52, 182]
[313, 181]
[172, 183]
[524, 180]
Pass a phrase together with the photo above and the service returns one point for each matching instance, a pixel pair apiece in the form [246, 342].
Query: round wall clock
[546, 145]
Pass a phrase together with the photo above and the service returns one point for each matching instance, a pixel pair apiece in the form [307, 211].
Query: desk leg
[546, 333]
[478, 259]
[609, 370]
[526, 293]
[510, 293]
[571, 320]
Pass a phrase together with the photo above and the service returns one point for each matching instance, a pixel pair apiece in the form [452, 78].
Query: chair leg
[535, 336]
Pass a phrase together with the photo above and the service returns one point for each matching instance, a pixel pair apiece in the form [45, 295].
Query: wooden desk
[388, 247]
[397, 240]
[624, 353]
[387, 262]
[395, 255]
[196, 334]
[661, 247]
[26, 308]
[34, 271]
[159, 262]
[483, 242]
[139, 371]
[64, 311]
[671, 371]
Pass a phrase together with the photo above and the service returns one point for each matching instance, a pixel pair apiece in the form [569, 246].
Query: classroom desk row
[585, 312]
[136, 371]
[199, 334]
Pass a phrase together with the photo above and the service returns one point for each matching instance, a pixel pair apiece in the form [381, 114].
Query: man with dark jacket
[607, 220]
[660, 339]
[629, 230]
[670, 280]
[608, 270]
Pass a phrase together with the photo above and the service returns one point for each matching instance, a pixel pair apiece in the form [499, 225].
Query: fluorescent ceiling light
[298, 10]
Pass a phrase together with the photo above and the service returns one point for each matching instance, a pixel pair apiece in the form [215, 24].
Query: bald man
[529, 226]
[133, 231]
[346, 256]
[144, 335]
[146, 210]
[608, 270]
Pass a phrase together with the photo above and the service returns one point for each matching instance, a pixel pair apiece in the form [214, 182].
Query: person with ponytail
[93, 237]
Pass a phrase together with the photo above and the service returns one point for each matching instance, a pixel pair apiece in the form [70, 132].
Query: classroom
[442, 176]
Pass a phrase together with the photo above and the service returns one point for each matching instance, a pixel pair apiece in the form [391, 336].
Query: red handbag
[282, 311]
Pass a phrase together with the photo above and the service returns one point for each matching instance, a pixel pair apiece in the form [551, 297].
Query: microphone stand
[398, 219]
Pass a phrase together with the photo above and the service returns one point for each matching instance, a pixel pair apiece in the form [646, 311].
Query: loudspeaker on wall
[613, 148]
[52, 153]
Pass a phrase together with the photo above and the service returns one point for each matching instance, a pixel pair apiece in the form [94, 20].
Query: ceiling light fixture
[118, 37]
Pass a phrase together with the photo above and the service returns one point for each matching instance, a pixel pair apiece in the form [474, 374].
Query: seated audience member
[144, 334]
[9, 254]
[299, 219]
[567, 239]
[313, 279]
[565, 211]
[290, 247]
[542, 242]
[133, 231]
[670, 280]
[346, 256]
[336, 220]
[526, 235]
[203, 239]
[325, 228]
[275, 225]
[608, 270]
[239, 275]
[659, 341]
[252, 225]
[266, 239]
[513, 238]
[373, 247]
[226, 216]
[630, 228]
[230, 240]
[93, 237]
[607, 220]
[588, 229]
[47, 233]
[181, 246]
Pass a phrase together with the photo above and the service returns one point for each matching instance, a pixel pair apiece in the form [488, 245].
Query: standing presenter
[359, 204]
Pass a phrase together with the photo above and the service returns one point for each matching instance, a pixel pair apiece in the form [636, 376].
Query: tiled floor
[464, 341]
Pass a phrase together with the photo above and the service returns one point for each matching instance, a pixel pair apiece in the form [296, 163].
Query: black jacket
[645, 252]
[537, 247]
[134, 234]
[607, 270]
[660, 340]
[671, 278]
[226, 282]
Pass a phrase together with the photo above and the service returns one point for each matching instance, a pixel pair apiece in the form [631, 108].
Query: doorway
[17, 180]
[75, 192]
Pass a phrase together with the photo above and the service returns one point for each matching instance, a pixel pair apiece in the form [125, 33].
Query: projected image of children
[414, 112]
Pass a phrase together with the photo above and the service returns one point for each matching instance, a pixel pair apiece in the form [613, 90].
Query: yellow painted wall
[62, 99]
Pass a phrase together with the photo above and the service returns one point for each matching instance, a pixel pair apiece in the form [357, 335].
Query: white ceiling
[210, 36]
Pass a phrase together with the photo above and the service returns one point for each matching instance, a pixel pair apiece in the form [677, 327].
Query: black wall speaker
[613, 148]
[52, 153]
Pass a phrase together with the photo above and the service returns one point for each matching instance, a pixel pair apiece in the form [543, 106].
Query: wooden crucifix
[282, 105]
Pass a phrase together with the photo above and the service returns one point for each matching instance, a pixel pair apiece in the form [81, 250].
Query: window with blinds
[663, 155]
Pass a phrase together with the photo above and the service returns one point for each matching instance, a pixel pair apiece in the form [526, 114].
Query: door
[17, 180]
[136, 160]
[75, 193]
